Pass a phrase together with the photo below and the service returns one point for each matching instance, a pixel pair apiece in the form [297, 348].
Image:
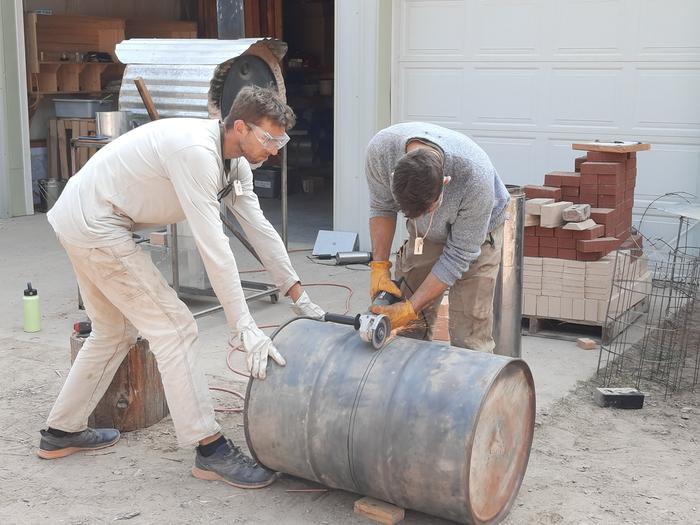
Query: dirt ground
[588, 465]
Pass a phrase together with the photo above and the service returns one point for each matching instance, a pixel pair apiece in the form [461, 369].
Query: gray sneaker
[231, 465]
[52, 447]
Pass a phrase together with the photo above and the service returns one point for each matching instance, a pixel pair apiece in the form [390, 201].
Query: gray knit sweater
[474, 202]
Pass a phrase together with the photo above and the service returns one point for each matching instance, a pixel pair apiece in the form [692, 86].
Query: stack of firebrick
[585, 214]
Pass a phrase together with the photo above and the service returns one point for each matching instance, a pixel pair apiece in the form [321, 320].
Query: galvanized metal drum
[429, 427]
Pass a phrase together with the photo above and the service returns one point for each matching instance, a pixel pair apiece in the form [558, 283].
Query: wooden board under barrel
[135, 399]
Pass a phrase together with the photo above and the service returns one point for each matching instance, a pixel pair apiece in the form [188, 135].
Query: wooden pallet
[572, 329]
[61, 131]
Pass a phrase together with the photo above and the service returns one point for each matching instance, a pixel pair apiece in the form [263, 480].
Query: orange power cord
[239, 349]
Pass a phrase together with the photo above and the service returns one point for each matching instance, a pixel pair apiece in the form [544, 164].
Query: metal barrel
[441, 430]
[507, 299]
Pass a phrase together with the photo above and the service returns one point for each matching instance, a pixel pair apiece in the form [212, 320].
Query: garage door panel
[433, 28]
[433, 94]
[669, 166]
[668, 99]
[516, 155]
[669, 29]
[503, 97]
[506, 28]
[586, 98]
[592, 28]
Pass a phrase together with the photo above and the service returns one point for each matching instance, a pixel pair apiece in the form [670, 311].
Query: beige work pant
[125, 295]
[471, 296]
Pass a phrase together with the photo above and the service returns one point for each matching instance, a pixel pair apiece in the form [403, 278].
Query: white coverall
[160, 173]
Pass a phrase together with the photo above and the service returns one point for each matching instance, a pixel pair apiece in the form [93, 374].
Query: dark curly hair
[417, 182]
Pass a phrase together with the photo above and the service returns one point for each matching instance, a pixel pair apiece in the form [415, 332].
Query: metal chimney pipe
[230, 19]
[508, 296]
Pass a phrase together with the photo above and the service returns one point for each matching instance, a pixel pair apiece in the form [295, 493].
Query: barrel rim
[522, 364]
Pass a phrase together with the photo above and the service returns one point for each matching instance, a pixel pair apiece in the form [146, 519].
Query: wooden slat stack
[61, 131]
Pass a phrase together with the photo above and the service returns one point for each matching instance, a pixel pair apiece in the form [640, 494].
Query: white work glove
[304, 307]
[257, 345]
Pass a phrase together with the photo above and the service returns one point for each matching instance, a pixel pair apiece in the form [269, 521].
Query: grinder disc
[382, 329]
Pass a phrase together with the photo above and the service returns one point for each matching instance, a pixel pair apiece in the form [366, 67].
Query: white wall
[15, 165]
[362, 76]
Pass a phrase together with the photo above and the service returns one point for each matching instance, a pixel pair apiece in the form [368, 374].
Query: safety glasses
[266, 140]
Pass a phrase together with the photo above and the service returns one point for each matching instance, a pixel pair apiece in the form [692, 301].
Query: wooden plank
[379, 511]
[148, 28]
[69, 77]
[53, 149]
[611, 147]
[83, 152]
[278, 20]
[31, 48]
[146, 98]
[91, 130]
[62, 148]
[249, 21]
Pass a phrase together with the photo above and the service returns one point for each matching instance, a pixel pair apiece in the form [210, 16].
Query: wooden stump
[135, 399]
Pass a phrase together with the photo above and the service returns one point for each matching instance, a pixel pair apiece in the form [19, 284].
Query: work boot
[52, 446]
[231, 465]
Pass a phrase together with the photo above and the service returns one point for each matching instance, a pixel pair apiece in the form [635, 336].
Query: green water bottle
[32, 314]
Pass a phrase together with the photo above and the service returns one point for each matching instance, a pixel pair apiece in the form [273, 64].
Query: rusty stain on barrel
[425, 426]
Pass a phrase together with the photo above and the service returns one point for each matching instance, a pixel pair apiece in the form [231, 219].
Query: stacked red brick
[604, 180]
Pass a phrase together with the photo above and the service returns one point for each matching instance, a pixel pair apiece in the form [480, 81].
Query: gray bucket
[441, 430]
[49, 192]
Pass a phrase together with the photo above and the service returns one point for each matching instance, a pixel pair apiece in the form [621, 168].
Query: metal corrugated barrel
[425, 426]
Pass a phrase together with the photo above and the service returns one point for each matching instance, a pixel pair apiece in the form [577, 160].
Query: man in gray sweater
[455, 205]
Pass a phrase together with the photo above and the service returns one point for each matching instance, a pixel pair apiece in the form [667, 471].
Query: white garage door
[526, 78]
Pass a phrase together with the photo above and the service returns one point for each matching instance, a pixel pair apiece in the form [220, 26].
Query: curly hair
[417, 182]
[254, 104]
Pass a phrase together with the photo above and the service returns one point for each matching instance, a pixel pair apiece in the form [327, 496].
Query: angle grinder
[373, 328]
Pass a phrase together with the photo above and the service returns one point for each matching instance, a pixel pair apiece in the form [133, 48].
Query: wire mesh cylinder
[653, 312]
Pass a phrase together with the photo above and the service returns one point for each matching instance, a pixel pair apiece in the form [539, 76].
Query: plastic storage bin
[80, 108]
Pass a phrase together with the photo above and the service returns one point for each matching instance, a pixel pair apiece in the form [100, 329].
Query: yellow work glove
[380, 279]
[400, 314]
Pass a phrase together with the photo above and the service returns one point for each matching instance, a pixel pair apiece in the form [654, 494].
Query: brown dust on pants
[471, 296]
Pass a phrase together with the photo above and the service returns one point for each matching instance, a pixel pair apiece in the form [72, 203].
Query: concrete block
[551, 214]
[532, 220]
[533, 261]
[578, 309]
[555, 307]
[603, 267]
[551, 262]
[532, 206]
[602, 310]
[529, 304]
[566, 307]
[575, 265]
[590, 310]
[542, 306]
[580, 226]
[576, 213]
